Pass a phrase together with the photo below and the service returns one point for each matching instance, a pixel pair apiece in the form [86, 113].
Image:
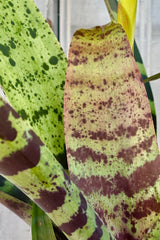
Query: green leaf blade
[42, 228]
[33, 67]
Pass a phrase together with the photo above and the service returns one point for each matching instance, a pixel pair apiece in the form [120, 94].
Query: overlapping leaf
[112, 6]
[19, 207]
[42, 228]
[127, 18]
[27, 162]
[33, 68]
[111, 144]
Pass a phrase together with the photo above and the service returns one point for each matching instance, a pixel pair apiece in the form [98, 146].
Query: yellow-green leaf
[111, 143]
[127, 17]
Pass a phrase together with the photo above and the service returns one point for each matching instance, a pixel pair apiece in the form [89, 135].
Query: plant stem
[152, 78]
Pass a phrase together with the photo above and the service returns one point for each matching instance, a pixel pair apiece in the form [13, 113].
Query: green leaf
[10, 189]
[112, 6]
[42, 228]
[28, 163]
[152, 78]
[110, 139]
[33, 68]
[126, 16]
[20, 208]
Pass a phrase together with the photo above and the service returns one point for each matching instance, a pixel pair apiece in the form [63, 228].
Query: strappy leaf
[20, 208]
[126, 16]
[111, 143]
[27, 162]
[33, 67]
[112, 6]
[42, 228]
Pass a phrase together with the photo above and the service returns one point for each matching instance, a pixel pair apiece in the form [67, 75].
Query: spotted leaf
[112, 6]
[28, 163]
[20, 208]
[111, 145]
[33, 67]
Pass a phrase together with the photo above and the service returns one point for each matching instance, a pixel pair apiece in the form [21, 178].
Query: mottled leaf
[111, 144]
[10, 189]
[112, 6]
[20, 208]
[33, 68]
[42, 228]
[27, 162]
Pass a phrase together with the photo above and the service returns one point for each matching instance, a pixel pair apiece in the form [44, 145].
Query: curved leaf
[112, 6]
[27, 162]
[10, 189]
[33, 68]
[111, 144]
[127, 18]
[20, 208]
[41, 225]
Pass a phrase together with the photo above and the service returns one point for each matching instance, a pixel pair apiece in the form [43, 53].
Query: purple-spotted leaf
[111, 144]
[20, 208]
[28, 163]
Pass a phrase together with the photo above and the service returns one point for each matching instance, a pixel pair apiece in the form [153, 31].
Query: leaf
[33, 68]
[42, 228]
[111, 145]
[112, 6]
[20, 208]
[127, 18]
[152, 78]
[10, 189]
[27, 162]
[153, 234]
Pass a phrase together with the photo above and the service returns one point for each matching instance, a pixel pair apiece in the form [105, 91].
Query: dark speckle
[28, 11]
[59, 118]
[12, 62]
[33, 32]
[53, 60]
[23, 114]
[10, 3]
[45, 66]
[104, 81]
[5, 50]
[12, 44]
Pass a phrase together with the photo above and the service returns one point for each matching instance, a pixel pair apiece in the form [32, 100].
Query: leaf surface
[28, 163]
[111, 145]
[20, 208]
[33, 68]
[127, 18]
[42, 228]
[112, 6]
